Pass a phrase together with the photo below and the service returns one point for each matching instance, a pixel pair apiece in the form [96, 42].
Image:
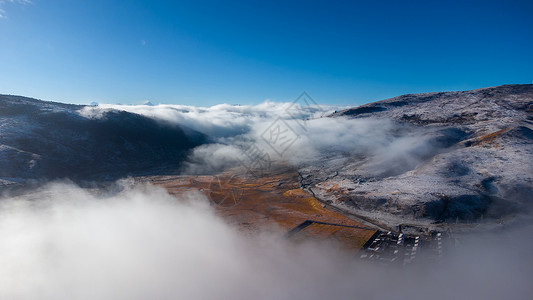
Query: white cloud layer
[307, 135]
[64, 242]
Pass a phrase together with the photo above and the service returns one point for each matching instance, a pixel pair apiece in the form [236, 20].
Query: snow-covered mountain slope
[47, 140]
[474, 162]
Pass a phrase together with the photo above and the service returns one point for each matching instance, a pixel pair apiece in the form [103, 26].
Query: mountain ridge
[51, 140]
[477, 162]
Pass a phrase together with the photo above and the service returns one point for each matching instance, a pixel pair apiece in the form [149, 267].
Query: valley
[273, 202]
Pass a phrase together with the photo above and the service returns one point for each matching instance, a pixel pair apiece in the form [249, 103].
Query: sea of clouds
[139, 242]
[287, 132]
[136, 241]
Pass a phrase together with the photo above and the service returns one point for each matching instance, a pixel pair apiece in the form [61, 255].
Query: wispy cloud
[4, 2]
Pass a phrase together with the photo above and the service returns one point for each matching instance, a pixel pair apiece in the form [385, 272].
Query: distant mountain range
[477, 163]
[48, 140]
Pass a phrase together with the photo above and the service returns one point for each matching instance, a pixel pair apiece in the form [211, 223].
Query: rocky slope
[48, 140]
[474, 162]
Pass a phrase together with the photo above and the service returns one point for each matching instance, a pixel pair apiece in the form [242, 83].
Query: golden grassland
[489, 138]
[270, 202]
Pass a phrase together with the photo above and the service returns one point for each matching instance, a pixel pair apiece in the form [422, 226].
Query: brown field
[489, 138]
[272, 202]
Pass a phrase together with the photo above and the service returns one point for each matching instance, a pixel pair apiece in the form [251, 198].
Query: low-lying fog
[138, 242]
[289, 132]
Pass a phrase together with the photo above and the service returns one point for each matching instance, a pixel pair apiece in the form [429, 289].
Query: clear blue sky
[208, 52]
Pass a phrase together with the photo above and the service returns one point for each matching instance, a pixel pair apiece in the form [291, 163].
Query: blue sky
[209, 52]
